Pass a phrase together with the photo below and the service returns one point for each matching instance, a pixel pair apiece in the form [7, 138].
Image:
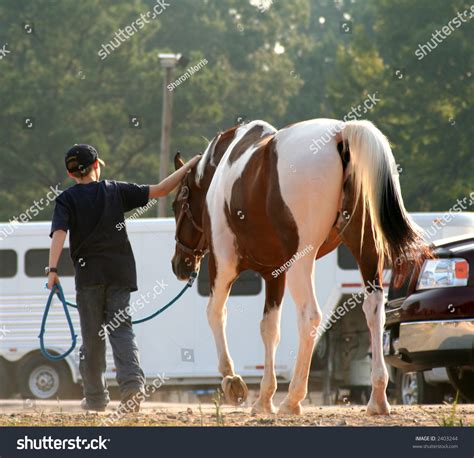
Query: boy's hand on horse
[169, 183]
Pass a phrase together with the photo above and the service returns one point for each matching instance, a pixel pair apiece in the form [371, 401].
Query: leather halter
[199, 251]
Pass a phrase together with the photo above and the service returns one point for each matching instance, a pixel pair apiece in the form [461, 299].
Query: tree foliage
[288, 62]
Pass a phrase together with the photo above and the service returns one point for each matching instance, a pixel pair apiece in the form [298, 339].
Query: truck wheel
[463, 380]
[6, 382]
[412, 388]
[43, 379]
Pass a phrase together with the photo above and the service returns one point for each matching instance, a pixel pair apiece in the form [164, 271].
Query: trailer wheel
[6, 385]
[43, 379]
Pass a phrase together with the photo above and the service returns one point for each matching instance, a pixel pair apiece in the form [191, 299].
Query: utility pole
[168, 62]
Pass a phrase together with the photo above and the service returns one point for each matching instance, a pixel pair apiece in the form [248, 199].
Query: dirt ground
[67, 413]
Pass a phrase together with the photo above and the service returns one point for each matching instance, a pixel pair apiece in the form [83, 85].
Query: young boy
[91, 211]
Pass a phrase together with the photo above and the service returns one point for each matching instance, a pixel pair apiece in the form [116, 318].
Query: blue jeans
[102, 312]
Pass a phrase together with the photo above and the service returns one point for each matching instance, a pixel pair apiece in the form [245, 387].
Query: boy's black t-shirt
[93, 213]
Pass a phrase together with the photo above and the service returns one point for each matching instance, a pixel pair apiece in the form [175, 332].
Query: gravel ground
[160, 414]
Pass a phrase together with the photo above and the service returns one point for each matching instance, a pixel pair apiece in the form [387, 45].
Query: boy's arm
[57, 243]
[169, 183]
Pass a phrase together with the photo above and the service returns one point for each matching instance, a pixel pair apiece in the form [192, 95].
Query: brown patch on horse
[225, 140]
[265, 231]
[365, 253]
[332, 241]
[221, 143]
[274, 291]
[249, 139]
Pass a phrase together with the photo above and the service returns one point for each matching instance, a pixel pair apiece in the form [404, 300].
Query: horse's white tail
[376, 184]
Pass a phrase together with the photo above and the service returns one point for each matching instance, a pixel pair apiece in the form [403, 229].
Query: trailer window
[249, 283]
[37, 259]
[8, 263]
[345, 260]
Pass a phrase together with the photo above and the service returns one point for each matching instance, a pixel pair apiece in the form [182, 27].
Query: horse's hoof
[378, 408]
[290, 409]
[235, 389]
[260, 407]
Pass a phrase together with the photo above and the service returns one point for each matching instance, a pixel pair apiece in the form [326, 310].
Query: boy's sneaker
[130, 402]
[86, 406]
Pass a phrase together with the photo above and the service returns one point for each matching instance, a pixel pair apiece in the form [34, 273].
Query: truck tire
[463, 380]
[411, 389]
[43, 379]
[6, 380]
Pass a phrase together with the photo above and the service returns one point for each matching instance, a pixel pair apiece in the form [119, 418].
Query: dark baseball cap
[81, 156]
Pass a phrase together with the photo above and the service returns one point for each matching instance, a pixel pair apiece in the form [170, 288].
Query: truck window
[8, 263]
[248, 283]
[37, 259]
[345, 260]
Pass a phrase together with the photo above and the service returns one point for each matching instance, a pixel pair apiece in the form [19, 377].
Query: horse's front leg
[221, 278]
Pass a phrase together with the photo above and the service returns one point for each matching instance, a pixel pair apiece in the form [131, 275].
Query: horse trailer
[178, 346]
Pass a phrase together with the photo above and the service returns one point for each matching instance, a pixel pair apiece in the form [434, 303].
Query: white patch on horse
[270, 332]
[310, 184]
[267, 129]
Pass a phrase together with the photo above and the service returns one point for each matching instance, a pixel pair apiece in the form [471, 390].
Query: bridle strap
[199, 251]
[185, 208]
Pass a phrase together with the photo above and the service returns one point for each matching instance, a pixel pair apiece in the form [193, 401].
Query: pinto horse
[266, 200]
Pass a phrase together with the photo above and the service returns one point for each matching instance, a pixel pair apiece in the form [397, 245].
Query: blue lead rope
[171, 302]
[59, 291]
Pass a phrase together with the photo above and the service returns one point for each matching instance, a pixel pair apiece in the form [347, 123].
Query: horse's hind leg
[235, 389]
[373, 308]
[270, 331]
[300, 282]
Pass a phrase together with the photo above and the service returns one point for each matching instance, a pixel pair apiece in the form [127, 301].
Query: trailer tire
[6, 383]
[43, 379]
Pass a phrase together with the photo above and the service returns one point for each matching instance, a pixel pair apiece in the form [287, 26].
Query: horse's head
[188, 206]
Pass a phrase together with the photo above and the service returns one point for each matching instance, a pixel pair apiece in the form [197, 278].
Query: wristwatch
[47, 270]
